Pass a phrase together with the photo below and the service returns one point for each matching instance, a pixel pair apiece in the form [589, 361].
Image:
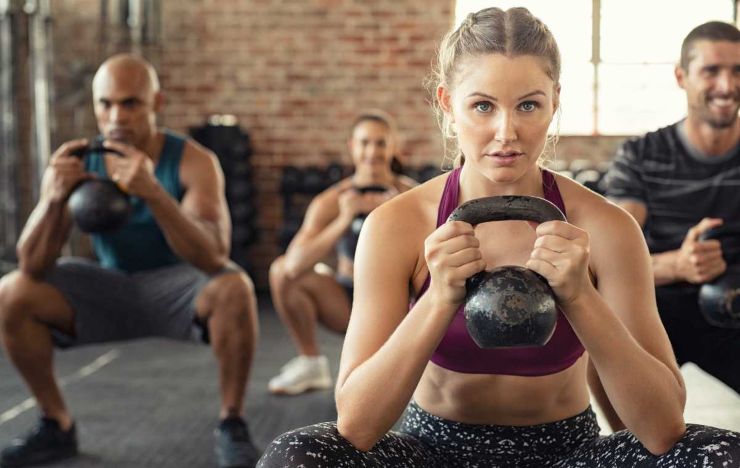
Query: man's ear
[680, 74]
[158, 101]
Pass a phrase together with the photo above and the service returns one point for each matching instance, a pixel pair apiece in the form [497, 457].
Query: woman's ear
[556, 99]
[444, 99]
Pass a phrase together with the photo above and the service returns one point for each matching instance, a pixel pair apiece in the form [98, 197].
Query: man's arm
[664, 264]
[198, 229]
[48, 227]
[694, 262]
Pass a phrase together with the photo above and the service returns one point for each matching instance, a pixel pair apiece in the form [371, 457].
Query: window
[619, 81]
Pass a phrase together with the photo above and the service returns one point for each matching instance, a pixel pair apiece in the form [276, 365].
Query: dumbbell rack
[223, 136]
[298, 186]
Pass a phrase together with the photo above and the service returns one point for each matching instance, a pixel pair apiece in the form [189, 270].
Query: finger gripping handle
[505, 208]
[729, 237]
[95, 146]
[722, 231]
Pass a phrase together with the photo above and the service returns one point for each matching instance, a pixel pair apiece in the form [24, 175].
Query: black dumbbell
[334, 173]
[291, 180]
[314, 180]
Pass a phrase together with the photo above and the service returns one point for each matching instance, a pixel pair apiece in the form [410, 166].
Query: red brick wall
[294, 72]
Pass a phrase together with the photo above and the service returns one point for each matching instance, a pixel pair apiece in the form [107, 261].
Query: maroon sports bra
[458, 352]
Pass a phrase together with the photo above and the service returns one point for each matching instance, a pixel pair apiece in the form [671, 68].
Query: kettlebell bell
[509, 306]
[98, 205]
[719, 300]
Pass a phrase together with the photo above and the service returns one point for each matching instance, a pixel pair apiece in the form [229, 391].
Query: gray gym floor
[154, 403]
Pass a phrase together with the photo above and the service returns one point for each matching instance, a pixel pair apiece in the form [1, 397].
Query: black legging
[716, 350]
[427, 441]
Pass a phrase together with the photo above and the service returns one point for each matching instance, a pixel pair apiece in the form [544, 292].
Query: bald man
[166, 274]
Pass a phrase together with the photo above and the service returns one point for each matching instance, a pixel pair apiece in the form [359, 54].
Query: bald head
[130, 67]
[126, 99]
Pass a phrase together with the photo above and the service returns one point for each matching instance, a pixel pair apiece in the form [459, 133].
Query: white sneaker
[300, 374]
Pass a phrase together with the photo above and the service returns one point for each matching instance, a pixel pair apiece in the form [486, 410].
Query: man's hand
[65, 172]
[132, 171]
[700, 261]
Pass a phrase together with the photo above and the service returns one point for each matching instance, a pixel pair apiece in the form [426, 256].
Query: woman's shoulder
[415, 207]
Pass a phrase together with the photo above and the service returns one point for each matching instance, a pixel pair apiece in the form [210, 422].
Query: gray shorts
[111, 305]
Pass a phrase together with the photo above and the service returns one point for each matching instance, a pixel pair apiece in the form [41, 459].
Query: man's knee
[15, 289]
[233, 295]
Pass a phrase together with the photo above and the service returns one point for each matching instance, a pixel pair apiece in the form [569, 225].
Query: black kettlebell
[348, 242]
[98, 205]
[509, 306]
[719, 300]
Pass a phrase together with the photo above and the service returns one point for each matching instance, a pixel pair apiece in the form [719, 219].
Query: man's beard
[722, 123]
[715, 121]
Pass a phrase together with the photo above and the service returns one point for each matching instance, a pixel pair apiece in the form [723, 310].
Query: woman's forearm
[646, 393]
[301, 256]
[374, 395]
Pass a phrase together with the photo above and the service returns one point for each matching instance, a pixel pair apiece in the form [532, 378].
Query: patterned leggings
[427, 441]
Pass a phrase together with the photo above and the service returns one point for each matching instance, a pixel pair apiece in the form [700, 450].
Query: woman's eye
[528, 106]
[483, 106]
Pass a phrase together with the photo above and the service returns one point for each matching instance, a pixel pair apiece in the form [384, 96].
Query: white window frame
[597, 64]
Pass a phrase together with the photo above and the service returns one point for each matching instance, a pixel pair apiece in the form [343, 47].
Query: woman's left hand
[561, 255]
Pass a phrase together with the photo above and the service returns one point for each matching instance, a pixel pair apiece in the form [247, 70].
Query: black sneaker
[45, 443]
[233, 447]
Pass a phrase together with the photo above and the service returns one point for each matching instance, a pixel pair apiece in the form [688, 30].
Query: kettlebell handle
[95, 146]
[505, 208]
[729, 238]
[370, 189]
[509, 305]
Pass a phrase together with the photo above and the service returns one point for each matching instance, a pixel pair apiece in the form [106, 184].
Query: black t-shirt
[678, 185]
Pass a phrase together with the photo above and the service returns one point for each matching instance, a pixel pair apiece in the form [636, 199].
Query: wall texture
[294, 72]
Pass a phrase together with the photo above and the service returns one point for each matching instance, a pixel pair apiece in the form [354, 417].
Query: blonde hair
[512, 33]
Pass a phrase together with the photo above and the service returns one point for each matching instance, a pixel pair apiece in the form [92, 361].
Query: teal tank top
[140, 244]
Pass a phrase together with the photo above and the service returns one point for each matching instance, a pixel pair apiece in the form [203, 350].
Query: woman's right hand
[452, 253]
[65, 171]
[350, 204]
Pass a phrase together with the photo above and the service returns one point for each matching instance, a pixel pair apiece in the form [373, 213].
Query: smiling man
[680, 181]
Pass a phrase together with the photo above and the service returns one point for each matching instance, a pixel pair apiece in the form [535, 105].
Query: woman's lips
[505, 158]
